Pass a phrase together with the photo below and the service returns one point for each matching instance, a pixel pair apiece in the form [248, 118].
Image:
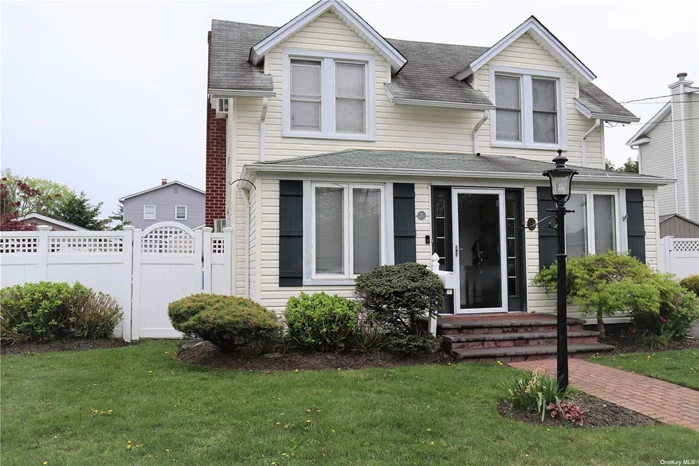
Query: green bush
[319, 321]
[603, 284]
[691, 283]
[367, 337]
[46, 311]
[396, 297]
[228, 322]
[672, 318]
[533, 392]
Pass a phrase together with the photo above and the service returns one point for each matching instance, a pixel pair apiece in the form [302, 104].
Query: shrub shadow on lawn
[206, 354]
[598, 413]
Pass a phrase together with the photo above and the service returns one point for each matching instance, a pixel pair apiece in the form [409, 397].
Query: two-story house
[668, 146]
[332, 150]
[172, 201]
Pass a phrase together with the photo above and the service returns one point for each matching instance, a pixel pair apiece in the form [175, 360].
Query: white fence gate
[679, 256]
[143, 270]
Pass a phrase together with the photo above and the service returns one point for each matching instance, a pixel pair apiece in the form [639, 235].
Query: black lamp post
[561, 178]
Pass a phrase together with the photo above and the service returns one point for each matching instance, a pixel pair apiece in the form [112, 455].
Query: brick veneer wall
[215, 159]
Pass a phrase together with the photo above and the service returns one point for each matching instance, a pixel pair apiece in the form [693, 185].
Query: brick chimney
[215, 159]
[163, 181]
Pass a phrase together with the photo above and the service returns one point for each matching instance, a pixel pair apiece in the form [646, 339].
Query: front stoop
[513, 337]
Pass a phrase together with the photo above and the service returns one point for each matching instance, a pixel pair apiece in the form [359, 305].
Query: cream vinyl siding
[656, 160]
[254, 246]
[527, 54]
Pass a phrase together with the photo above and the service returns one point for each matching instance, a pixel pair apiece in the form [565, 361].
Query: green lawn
[173, 413]
[680, 366]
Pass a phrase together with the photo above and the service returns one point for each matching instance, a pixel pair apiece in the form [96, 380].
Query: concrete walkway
[664, 401]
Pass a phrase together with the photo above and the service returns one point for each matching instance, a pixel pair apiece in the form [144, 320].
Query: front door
[480, 261]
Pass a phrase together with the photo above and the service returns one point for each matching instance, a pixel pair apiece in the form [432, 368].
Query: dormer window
[527, 108]
[328, 96]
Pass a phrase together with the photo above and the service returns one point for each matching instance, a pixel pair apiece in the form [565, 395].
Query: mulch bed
[622, 346]
[60, 345]
[598, 413]
[206, 354]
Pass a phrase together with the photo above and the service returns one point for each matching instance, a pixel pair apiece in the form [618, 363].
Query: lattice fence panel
[218, 246]
[686, 246]
[18, 245]
[82, 244]
[167, 240]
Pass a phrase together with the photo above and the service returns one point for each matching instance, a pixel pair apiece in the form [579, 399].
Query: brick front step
[504, 340]
[524, 353]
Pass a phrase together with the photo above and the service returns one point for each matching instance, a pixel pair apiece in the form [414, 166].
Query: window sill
[328, 282]
[521, 145]
[334, 136]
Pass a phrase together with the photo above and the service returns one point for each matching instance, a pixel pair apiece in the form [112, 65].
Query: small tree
[603, 284]
[18, 199]
[78, 211]
[118, 217]
[52, 194]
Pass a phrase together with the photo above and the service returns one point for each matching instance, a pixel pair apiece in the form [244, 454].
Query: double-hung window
[593, 226]
[347, 229]
[328, 96]
[528, 107]
[181, 212]
[148, 212]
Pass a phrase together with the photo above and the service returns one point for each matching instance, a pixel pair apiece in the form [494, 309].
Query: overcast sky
[108, 98]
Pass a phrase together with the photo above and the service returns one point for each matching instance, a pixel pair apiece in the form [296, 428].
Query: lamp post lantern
[561, 178]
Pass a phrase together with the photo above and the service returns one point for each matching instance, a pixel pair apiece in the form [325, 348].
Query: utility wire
[647, 98]
[614, 125]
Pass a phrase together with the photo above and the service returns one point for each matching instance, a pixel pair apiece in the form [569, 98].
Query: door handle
[457, 249]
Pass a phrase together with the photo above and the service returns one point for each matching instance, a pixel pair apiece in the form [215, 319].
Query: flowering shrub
[533, 392]
[320, 321]
[567, 411]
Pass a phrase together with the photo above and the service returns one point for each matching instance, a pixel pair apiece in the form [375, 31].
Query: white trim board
[587, 113]
[347, 15]
[650, 125]
[544, 38]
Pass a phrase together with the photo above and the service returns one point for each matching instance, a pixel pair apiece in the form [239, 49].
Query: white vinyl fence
[143, 270]
[679, 256]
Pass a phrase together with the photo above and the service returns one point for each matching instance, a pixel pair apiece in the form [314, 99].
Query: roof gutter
[279, 168]
[222, 93]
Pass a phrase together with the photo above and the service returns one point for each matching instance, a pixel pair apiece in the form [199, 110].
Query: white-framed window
[594, 226]
[180, 212]
[530, 108]
[328, 95]
[149, 212]
[347, 229]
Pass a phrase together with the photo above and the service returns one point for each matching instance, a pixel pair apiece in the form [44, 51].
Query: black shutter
[547, 236]
[290, 233]
[404, 222]
[634, 223]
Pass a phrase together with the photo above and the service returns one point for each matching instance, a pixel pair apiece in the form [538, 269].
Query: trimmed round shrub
[397, 296]
[46, 311]
[228, 322]
[691, 283]
[319, 321]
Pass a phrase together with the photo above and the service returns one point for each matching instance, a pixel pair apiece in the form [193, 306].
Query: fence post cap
[207, 229]
[227, 229]
[129, 227]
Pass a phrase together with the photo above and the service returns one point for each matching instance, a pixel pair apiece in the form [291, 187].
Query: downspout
[263, 117]
[247, 240]
[486, 114]
[584, 142]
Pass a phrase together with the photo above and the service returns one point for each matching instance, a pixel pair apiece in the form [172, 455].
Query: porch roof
[436, 164]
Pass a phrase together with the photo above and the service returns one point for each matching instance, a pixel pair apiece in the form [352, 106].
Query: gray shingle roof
[446, 163]
[600, 103]
[230, 49]
[426, 76]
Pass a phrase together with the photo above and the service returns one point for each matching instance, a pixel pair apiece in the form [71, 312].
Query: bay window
[347, 229]
[593, 226]
[528, 107]
[328, 95]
